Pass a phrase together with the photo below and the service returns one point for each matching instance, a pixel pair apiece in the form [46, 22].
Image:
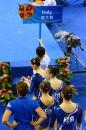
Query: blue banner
[76, 2]
[70, 2]
[45, 14]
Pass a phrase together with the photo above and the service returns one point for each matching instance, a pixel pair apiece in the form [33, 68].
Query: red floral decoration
[64, 69]
[6, 87]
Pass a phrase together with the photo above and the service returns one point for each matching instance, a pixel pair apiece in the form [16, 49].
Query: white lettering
[68, 119]
[48, 12]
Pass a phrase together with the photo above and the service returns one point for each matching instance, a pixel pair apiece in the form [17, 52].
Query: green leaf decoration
[64, 74]
[5, 84]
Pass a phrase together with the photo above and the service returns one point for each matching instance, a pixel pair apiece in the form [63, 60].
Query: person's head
[52, 71]
[40, 51]
[22, 89]
[67, 92]
[35, 63]
[45, 87]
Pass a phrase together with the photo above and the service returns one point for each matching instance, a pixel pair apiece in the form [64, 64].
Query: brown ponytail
[68, 91]
[45, 86]
[53, 70]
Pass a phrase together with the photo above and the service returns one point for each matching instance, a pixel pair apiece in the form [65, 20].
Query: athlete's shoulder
[34, 103]
[57, 109]
[12, 103]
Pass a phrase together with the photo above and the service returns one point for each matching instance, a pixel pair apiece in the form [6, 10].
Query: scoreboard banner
[40, 14]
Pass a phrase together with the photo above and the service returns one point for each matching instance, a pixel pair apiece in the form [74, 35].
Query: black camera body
[84, 3]
[72, 40]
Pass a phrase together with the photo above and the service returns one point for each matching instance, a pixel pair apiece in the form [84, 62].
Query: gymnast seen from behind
[46, 102]
[56, 84]
[36, 78]
[68, 114]
[23, 108]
